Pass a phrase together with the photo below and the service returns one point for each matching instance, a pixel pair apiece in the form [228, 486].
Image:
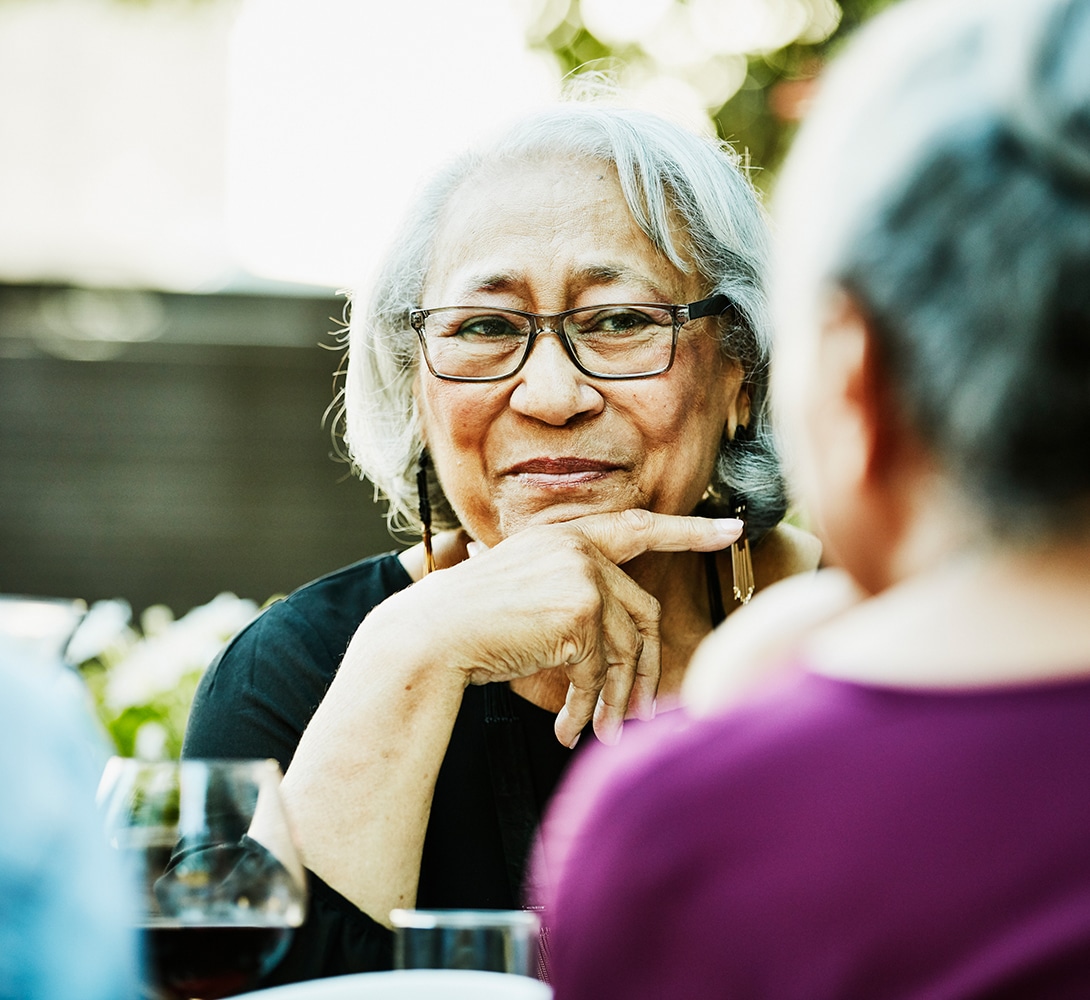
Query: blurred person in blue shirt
[65, 904]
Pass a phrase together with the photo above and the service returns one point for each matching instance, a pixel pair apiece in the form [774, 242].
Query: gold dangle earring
[424, 508]
[740, 558]
[741, 562]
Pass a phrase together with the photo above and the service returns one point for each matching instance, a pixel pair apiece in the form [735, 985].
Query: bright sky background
[339, 109]
[227, 144]
[201, 146]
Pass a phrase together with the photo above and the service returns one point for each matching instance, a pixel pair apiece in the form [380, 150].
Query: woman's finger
[633, 661]
[620, 672]
[645, 686]
[623, 535]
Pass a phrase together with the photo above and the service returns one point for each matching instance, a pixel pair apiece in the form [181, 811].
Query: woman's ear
[738, 413]
[415, 417]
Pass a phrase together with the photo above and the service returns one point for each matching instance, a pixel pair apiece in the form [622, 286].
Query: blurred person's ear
[838, 425]
[863, 449]
[847, 392]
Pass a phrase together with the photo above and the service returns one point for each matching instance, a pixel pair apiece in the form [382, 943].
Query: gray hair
[663, 169]
[960, 222]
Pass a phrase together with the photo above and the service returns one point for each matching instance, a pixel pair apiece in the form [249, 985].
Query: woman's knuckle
[589, 605]
[638, 520]
[568, 543]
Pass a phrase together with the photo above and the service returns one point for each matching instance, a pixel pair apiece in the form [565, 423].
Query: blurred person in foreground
[562, 369]
[66, 907]
[894, 801]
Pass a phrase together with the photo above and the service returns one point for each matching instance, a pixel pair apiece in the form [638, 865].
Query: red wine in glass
[210, 961]
[222, 886]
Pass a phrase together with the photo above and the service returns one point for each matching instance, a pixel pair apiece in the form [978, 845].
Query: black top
[502, 763]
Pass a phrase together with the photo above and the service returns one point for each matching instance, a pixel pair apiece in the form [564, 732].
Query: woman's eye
[622, 321]
[487, 328]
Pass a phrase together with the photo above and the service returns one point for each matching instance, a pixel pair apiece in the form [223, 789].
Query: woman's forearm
[359, 789]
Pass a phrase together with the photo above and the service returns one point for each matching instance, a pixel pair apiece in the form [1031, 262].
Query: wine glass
[222, 888]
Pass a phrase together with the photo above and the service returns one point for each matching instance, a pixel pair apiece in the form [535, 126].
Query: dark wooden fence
[164, 448]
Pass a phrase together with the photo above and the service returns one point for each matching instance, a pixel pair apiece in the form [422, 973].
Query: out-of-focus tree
[748, 65]
[745, 68]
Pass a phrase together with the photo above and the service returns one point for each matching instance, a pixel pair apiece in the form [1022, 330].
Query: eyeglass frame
[713, 305]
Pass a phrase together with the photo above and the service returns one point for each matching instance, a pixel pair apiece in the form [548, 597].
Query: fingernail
[473, 548]
[654, 706]
[727, 525]
[571, 746]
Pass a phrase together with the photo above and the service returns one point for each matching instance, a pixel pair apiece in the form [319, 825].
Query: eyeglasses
[626, 340]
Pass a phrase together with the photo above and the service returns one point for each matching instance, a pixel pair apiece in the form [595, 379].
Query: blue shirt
[66, 909]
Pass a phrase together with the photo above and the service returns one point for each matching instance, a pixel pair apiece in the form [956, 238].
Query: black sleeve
[336, 939]
[258, 695]
[256, 699]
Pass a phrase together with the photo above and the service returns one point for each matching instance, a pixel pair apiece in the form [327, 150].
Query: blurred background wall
[185, 185]
[170, 469]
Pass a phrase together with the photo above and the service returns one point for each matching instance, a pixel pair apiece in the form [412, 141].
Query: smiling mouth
[560, 471]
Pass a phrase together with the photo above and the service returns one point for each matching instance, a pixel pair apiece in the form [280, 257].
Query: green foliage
[164, 714]
[142, 680]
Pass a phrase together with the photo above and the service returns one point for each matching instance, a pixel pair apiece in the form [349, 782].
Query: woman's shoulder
[260, 691]
[785, 551]
[364, 583]
[325, 613]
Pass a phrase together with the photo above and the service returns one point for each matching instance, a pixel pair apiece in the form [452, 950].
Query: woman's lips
[560, 471]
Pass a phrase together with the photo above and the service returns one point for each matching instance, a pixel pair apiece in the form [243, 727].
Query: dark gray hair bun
[1050, 100]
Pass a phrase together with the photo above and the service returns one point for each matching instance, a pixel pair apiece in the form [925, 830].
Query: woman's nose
[550, 388]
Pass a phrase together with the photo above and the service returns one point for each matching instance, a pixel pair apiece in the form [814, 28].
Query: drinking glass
[488, 940]
[221, 885]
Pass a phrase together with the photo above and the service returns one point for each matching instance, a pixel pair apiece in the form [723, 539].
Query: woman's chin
[513, 521]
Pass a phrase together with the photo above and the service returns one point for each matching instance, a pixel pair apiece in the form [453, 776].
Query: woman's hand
[359, 788]
[553, 598]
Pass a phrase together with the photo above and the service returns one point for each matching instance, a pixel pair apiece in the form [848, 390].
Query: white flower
[155, 665]
[104, 628]
[151, 742]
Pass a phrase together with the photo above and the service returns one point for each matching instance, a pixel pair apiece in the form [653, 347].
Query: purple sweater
[831, 840]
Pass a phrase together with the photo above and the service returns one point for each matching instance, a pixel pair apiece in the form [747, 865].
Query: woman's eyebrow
[489, 281]
[621, 274]
[582, 277]
[608, 274]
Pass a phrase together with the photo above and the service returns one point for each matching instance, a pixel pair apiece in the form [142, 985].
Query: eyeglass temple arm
[715, 305]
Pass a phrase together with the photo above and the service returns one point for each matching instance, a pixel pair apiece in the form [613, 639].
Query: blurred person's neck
[986, 616]
[951, 606]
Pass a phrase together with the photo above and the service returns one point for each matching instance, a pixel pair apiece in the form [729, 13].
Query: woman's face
[550, 443]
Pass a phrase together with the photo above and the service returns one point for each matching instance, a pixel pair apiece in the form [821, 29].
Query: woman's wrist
[408, 638]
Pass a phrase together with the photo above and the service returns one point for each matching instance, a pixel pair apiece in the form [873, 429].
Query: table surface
[411, 984]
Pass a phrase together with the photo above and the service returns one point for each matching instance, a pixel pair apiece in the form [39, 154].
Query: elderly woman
[563, 361]
[901, 808]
